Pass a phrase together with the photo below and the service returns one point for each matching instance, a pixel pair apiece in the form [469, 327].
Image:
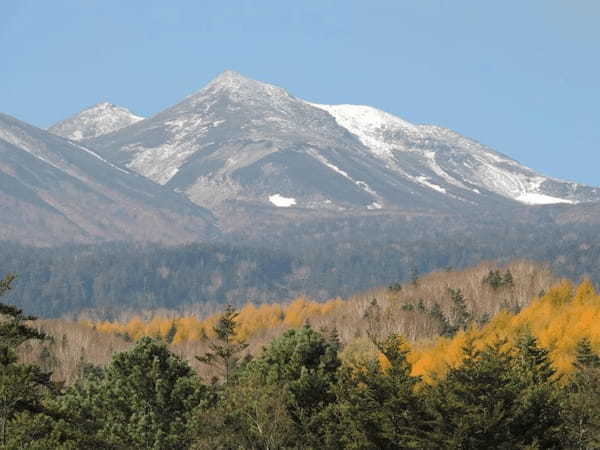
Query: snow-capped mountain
[92, 122]
[53, 190]
[240, 140]
[447, 158]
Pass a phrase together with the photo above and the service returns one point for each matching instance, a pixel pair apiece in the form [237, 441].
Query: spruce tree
[537, 413]
[585, 356]
[496, 399]
[22, 386]
[580, 410]
[225, 349]
[376, 406]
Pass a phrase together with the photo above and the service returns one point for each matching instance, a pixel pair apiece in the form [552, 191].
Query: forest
[115, 280]
[493, 356]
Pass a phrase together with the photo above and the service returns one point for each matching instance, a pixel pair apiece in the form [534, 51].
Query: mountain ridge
[55, 190]
[97, 120]
[238, 139]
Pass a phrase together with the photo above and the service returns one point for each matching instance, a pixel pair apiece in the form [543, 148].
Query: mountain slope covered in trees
[110, 279]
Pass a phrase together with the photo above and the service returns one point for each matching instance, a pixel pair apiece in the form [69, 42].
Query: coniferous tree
[537, 413]
[145, 398]
[305, 365]
[225, 350]
[22, 386]
[580, 410]
[377, 407]
[493, 400]
[247, 413]
[461, 317]
[585, 356]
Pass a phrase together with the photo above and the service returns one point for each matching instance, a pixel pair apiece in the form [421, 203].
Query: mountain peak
[230, 78]
[102, 118]
[103, 105]
[240, 87]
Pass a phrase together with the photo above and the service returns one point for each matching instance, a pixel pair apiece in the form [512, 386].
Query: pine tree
[496, 399]
[377, 407]
[580, 409]
[585, 356]
[537, 413]
[145, 398]
[225, 350]
[22, 386]
[305, 365]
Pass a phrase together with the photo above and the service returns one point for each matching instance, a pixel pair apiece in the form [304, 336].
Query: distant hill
[54, 191]
[95, 121]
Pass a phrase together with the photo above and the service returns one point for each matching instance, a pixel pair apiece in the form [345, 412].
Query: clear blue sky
[522, 76]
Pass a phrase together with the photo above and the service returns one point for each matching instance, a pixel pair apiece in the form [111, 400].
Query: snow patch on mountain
[98, 120]
[282, 202]
[425, 181]
[19, 139]
[370, 126]
[244, 90]
[531, 198]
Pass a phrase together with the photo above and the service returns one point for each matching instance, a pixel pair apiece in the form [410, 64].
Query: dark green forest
[107, 279]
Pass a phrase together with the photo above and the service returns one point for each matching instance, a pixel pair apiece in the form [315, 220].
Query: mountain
[100, 119]
[53, 190]
[241, 142]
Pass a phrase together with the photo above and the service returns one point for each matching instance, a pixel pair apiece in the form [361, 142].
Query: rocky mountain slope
[53, 190]
[240, 141]
[100, 119]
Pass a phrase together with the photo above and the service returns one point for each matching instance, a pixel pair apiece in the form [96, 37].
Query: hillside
[110, 280]
[54, 191]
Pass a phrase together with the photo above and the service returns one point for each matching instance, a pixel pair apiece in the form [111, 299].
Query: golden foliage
[252, 321]
[558, 320]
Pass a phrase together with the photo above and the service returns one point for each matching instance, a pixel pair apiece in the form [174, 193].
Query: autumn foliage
[559, 320]
[556, 312]
[252, 322]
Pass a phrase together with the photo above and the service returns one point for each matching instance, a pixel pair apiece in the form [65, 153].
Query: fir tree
[580, 409]
[585, 356]
[225, 350]
[492, 400]
[461, 317]
[22, 386]
[377, 407]
[537, 412]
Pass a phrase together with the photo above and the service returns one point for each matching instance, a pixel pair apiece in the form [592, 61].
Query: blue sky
[522, 76]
